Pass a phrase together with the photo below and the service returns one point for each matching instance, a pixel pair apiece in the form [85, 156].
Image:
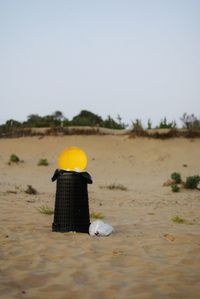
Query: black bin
[71, 211]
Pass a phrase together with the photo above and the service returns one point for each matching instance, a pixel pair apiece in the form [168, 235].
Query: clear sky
[136, 58]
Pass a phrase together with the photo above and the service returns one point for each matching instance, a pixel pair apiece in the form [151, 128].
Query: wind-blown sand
[138, 260]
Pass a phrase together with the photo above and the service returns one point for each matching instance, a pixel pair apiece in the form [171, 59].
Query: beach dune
[147, 257]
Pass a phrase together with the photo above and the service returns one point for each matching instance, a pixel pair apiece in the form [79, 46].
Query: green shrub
[43, 162]
[192, 182]
[175, 188]
[149, 124]
[137, 128]
[178, 219]
[110, 123]
[176, 177]
[14, 158]
[137, 124]
[166, 125]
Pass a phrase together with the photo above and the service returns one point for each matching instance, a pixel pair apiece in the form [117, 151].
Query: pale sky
[139, 58]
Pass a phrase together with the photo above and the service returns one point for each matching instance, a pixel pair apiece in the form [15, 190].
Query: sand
[148, 256]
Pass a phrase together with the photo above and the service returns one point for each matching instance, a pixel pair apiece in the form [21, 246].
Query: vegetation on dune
[176, 177]
[57, 119]
[57, 122]
[137, 124]
[190, 124]
[149, 124]
[14, 159]
[110, 123]
[175, 188]
[36, 121]
[192, 182]
[43, 162]
[86, 118]
[190, 121]
[180, 220]
[164, 124]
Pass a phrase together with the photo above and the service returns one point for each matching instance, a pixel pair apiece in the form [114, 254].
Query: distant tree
[9, 126]
[50, 121]
[33, 120]
[36, 121]
[58, 115]
[13, 123]
[65, 122]
[86, 118]
[149, 124]
[190, 121]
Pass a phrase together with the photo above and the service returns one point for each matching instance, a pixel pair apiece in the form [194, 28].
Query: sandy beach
[147, 257]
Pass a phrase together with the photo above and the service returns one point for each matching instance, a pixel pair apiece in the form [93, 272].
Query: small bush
[192, 182]
[190, 121]
[96, 215]
[14, 158]
[110, 123]
[178, 219]
[43, 162]
[115, 186]
[137, 124]
[45, 210]
[149, 124]
[166, 125]
[176, 177]
[175, 188]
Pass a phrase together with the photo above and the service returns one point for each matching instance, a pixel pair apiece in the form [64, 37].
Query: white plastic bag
[100, 228]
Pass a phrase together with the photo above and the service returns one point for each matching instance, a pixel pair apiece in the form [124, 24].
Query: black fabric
[83, 174]
[71, 211]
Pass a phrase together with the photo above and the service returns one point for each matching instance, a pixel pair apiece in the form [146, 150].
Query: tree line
[57, 119]
[87, 118]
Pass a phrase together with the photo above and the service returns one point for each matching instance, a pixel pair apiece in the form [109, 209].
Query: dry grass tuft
[45, 210]
[114, 186]
[97, 215]
[31, 190]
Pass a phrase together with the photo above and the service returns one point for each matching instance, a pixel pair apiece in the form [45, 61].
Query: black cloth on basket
[83, 174]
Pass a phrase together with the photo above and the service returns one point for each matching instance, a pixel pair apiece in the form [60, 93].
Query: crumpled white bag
[100, 228]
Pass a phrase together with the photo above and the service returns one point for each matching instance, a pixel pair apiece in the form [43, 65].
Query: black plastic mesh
[71, 204]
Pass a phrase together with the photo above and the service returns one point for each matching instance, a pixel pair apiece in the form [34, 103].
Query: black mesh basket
[71, 211]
